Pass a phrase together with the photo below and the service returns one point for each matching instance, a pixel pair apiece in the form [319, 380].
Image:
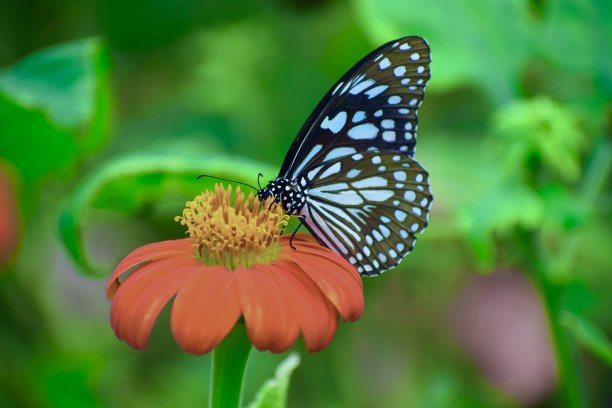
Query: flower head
[235, 264]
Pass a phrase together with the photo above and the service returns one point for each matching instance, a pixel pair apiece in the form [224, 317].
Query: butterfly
[350, 174]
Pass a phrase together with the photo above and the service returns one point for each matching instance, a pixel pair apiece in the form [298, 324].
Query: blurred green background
[109, 109]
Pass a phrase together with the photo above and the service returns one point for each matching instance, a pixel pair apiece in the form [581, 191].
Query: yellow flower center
[246, 233]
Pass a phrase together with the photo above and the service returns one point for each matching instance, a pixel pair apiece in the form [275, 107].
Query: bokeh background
[109, 109]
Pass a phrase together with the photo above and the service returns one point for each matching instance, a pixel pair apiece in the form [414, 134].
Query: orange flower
[235, 264]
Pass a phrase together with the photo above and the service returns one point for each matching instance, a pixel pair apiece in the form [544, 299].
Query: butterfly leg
[301, 217]
[272, 204]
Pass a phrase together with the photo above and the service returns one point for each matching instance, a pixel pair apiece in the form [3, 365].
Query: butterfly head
[264, 194]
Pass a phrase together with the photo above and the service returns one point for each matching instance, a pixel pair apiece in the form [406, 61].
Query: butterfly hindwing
[368, 207]
[374, 104]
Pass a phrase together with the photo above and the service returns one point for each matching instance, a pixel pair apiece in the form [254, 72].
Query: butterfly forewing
[368, 206]
[374, 104]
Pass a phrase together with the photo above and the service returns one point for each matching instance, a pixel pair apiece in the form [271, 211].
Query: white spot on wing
[377, 90]
[388, 123]
[331, 170]
[307, 159]
[399, 71]
[394, 100]
[384, 64]
[375, 181]
[312, 173]
[337, 87]
[364, 131]
[399, 175]
[388, 136]
[332, 187]
[410, 195]
[361, 86]
[400, 215]
[336, 124]
[347, 197]
[377, 195]
[352, 173]
[339, 152]
[358, 116]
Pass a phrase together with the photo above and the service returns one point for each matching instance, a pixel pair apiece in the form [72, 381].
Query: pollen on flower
[244, 233]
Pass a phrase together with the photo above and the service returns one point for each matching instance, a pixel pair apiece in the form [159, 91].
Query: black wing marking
[374, 104]
[368, 207]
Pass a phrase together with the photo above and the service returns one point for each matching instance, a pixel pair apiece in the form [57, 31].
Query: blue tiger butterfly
[350, 173]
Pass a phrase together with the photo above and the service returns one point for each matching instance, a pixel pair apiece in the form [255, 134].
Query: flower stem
[572, 389]
[228, 364]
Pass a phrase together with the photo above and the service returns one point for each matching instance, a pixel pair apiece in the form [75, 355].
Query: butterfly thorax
[291, 196]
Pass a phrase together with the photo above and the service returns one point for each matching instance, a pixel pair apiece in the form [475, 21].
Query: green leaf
[478, 41]
[55, 106]
[587, 42]
[273, 394]
[539, 132]
[589, 335]
[153, 183]
[505, 205]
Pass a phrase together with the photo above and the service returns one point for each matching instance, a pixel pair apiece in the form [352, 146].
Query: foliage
[273, 393]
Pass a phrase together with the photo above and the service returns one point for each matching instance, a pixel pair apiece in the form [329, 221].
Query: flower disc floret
[245, 232]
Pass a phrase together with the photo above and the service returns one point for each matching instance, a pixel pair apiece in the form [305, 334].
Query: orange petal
[288, 253]
[143, 295]
[270, 323]
[316, 316]
[336, 283]
[146, 253]
[300, 237]
[205, 310]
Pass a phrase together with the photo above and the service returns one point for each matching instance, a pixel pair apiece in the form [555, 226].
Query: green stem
[570, 381]
[228, 364]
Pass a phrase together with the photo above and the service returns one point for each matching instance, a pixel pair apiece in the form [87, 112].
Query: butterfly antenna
[258, 177]
[230, 180]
